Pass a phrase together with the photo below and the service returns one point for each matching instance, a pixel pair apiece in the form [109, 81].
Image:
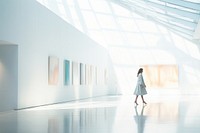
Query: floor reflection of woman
[140, 119]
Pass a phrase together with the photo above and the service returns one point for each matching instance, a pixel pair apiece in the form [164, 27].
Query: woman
[140, 87]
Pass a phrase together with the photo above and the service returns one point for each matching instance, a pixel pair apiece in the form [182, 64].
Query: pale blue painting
[66, 72]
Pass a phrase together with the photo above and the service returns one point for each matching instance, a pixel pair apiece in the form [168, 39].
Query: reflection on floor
[112, 114]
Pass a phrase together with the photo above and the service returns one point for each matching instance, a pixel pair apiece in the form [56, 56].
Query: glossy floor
[112, 114]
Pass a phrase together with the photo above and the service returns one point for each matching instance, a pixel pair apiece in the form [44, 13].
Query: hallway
[113, 114]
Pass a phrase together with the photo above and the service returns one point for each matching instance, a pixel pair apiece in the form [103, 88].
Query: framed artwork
[90, 74]
[75, 73]
[66, 72]
[53, 70]
[87, 74]
[95, 75]
[105, 76]
[82, 73]
[98, 75]
[161, 76]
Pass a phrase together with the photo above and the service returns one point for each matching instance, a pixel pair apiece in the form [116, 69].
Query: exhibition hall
[99, 66]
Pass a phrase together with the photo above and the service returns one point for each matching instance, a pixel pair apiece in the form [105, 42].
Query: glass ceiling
[180, 16]
[105, 19]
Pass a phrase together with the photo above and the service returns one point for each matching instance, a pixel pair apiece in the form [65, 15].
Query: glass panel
[62, 9]
[146, 26]
[113, 37]
[127, 24]
[182, 8]
[195, 1]
[70, 2]
[73, 13]
[136, 16]
[120, 11]
[100, 6]
[90, 20]
[176, 15]
[98, 36]
[152, 40]
[158, 2]
[84, 4]
[193, 50]
[135, 39]
[106, 21]
[78, 25]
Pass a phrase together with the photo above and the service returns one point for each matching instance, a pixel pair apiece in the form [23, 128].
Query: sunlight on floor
[165, 112]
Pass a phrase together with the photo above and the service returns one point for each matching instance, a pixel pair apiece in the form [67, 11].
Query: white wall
[40, 33]
[8, 76]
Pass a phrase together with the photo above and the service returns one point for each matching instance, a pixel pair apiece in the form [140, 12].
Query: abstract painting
[82, 73]
[66, 72]
[53, 72]
[87, 74]
[75, 73]
[90, 74]
[161, 76]
[105, 76]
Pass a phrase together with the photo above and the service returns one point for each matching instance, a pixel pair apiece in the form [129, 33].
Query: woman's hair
[139, 71]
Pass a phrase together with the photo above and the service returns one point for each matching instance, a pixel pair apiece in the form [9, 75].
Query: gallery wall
[41, 34]
[8, 76]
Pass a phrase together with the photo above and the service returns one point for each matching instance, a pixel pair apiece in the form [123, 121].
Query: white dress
[140, 88]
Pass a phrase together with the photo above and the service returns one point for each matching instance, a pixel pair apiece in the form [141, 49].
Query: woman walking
[140, 87]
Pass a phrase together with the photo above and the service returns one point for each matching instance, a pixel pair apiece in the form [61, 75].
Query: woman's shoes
[144, 102]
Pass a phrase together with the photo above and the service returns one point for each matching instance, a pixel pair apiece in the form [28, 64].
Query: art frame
[53, 70]
[82, 74]
[161, 76]
[75, 73]
[67, 72]
[87, 74]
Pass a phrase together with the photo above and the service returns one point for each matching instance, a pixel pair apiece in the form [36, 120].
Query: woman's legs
[136, 99]
[143, 99]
